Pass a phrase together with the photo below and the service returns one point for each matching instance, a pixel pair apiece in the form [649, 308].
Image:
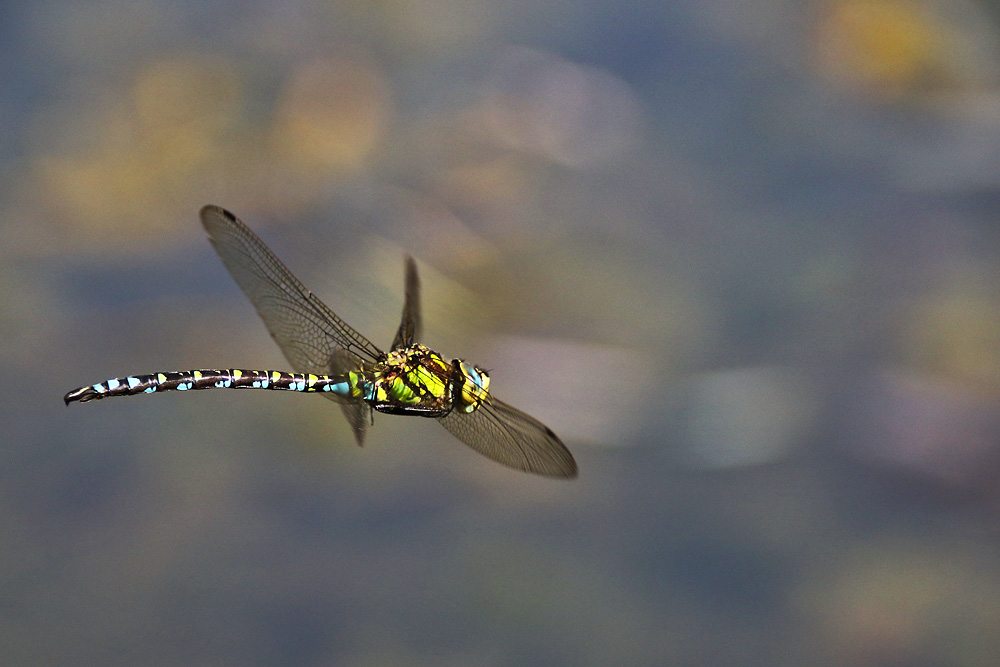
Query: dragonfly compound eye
[476, 385]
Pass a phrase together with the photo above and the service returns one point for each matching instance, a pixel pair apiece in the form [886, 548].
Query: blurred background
[743, 257]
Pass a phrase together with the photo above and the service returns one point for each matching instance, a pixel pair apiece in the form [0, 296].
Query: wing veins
[305, 328]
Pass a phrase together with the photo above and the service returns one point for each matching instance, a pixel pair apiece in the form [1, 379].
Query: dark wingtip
[210, 212]
[566, 468]
[410, 267]
[215, 210]
[567, 464]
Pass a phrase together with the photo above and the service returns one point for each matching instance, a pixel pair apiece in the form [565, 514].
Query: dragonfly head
[474, 388]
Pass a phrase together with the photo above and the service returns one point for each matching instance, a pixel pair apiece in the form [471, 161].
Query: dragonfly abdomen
[233, 378]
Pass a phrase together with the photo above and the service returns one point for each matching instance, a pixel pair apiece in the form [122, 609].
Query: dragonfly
[333, 360]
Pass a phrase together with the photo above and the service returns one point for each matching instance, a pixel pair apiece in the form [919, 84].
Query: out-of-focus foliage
[742, 256]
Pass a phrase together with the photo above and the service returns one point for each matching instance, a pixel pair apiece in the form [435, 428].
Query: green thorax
[418, 381]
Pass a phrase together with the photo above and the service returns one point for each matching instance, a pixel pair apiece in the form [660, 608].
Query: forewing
[513, 438]
[305, 329]
[410, 326]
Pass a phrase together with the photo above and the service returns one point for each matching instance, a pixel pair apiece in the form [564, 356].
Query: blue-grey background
[741, 256]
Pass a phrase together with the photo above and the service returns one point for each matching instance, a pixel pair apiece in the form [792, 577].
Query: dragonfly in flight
[333, 360]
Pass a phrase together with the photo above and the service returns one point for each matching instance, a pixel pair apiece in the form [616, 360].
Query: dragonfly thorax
[416, 380]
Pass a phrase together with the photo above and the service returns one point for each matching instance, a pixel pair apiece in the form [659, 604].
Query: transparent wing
[307, 331]
[409, 327]
[358, 413]
[509, 436]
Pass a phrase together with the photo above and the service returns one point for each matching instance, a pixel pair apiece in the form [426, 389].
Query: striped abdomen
[233, 378]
